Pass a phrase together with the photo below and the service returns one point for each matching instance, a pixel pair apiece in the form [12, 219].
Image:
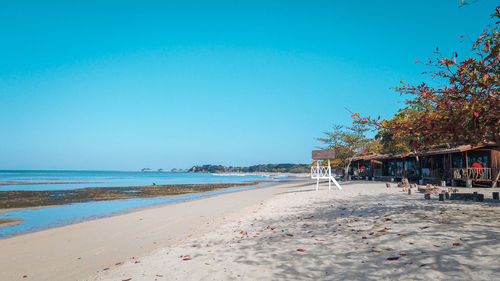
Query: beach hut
[461, 165]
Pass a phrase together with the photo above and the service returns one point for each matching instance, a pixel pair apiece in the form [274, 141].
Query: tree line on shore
[266, 168]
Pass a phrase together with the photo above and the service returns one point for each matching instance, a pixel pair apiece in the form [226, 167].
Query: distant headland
[262, 168]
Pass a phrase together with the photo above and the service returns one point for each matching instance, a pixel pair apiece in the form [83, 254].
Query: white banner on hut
[323, 172]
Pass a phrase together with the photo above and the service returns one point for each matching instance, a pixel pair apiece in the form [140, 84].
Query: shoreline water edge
[24, 212]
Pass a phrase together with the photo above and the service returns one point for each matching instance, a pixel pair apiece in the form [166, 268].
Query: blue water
[44, 218]
[48, 217]
[34, 180]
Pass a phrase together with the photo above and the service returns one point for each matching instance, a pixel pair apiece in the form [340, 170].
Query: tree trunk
[495, 181]
[346, 173]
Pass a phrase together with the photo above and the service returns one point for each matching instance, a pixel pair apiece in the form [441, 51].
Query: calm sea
[64, 180]
[44, 218]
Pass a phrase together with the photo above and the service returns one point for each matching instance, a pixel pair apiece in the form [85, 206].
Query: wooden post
[495, 195]
[317, 182]
[466, 166]
[404, 168]
[329, 176]
[450, 168]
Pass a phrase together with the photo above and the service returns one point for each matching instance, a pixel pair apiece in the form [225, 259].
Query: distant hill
[267, 168]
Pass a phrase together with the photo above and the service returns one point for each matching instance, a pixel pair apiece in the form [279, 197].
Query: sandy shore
[79, 251]
[364, 232]
[284, 232]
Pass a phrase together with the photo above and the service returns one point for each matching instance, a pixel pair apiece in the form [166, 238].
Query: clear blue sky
[123, 85]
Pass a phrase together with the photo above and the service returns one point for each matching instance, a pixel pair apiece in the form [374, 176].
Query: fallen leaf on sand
[375, 251]
[25, 276]
[371, 233]
[424, 227]
[288, 234]
[384, 230]
[456, 244]
[301, 250]
[118, 263]
[411, 243]
[393, 258]
[207, 263]
[186, 259]
[159, 275]
[376, 226]
[436, 246]
[402, 254]
[107, 268]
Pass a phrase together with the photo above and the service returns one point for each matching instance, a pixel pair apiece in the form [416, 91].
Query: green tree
[348, 142]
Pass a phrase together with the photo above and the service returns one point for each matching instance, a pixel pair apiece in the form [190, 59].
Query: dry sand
[364, 232]
[79, 251]
[285, 232]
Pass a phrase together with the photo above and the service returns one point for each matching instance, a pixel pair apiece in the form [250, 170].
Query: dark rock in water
[427, 196]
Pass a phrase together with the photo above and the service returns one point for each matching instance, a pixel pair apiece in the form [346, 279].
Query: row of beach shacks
[459, 166]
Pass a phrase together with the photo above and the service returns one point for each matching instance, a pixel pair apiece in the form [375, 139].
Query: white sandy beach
[285, 232]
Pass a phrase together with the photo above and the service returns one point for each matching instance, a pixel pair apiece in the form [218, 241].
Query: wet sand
[80, 251]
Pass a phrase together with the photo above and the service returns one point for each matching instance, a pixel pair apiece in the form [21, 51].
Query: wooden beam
[466, 165]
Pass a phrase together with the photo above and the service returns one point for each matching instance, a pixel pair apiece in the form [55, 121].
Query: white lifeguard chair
[323, 172]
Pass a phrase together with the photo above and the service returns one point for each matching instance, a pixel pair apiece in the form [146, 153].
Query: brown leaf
[456, 244]
[107, 268]
[424, 227]
[301, 250]
[376, 226]
[186, 259]
[289, 234]
[393, 258]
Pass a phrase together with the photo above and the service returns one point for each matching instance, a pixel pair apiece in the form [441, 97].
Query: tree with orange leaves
[466, 110]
